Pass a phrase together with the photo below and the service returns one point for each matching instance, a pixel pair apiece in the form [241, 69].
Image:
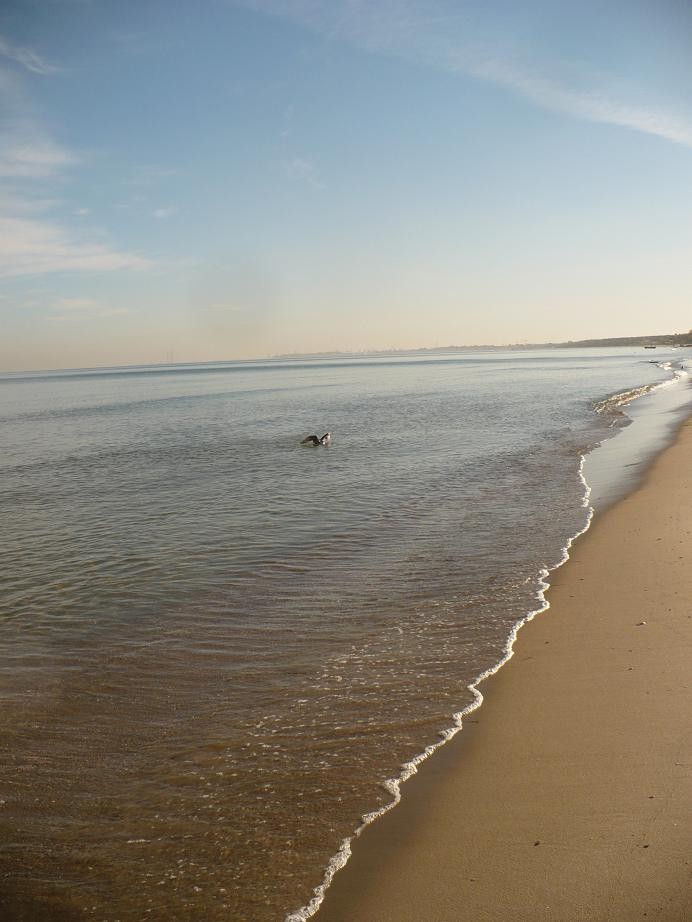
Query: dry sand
[567, 796]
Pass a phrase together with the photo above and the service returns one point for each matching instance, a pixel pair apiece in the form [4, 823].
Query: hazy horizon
[439, 350]
[250, 178]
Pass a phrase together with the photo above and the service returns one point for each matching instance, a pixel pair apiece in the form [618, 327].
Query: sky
[192, 181]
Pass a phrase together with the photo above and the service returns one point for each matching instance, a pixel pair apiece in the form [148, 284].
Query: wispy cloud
[30, 241]
[26, 153]
[590, 106]
[31, 246]
[79, 308]
[162, 213]
[150, 175]
[33, 167]
[75, 304]
[288, 118]
[30, 60]
[443, 35]
[301, 170]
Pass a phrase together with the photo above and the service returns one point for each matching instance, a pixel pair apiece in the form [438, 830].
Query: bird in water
[326, 439]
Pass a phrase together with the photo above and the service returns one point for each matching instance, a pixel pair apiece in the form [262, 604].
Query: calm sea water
[216, 643]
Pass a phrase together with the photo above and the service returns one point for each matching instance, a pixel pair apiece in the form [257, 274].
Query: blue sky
[239, 178]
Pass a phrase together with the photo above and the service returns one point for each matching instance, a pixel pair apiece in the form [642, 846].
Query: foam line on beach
[408, 769]
[613, 403]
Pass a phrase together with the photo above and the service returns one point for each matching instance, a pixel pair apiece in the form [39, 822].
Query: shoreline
[409, 769]
[609, 497]
[414, 862]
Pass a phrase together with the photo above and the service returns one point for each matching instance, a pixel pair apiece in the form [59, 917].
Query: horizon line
[658, 339]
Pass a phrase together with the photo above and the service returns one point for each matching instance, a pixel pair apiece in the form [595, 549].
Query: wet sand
[568, 795]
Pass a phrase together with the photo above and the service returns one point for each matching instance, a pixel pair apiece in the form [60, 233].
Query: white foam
[408, 769]
[615, 401]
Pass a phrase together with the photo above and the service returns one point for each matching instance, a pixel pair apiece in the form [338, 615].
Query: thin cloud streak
[593, 107]
[79, 308]
[30, 165]
[25, 153]
[28, 58]
[31, 247]
[76, 304]
[420, 33]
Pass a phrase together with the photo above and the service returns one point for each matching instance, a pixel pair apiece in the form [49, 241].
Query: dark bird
[326, 439]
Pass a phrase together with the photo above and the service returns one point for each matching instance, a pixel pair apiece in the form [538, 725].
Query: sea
[222, 651]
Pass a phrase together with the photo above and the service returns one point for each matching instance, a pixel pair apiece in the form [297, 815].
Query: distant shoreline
[664, 340]
[672, 339]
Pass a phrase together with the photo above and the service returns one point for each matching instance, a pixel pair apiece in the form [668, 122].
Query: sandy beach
[567, 796]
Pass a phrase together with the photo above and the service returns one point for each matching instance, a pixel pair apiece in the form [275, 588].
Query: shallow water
[217, 643]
